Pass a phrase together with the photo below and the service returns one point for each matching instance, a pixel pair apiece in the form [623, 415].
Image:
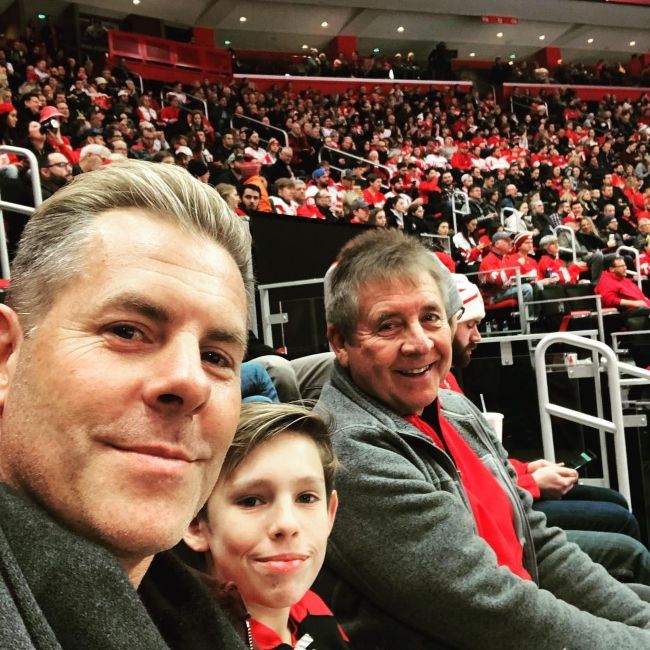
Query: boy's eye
[249, 502]
[308, 498]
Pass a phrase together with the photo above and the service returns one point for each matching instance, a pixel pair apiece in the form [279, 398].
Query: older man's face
[117, 411]
[402, 345]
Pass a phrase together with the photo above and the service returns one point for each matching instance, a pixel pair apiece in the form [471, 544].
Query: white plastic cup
[495, 420]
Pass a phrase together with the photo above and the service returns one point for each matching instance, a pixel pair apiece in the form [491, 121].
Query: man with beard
[56, 171]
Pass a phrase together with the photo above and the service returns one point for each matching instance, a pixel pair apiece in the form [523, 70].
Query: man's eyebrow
[136, 303]
[150, 310]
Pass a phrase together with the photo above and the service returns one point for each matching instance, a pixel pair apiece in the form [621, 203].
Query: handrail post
[37, 196]
[637, 261]
[615, 425]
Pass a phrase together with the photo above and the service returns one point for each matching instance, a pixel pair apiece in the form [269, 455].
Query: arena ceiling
[288, 25]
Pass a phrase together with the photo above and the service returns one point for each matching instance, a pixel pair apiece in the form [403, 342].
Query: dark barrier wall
[294, 248]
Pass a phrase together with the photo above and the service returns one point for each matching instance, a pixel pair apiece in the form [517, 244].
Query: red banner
[500, 20]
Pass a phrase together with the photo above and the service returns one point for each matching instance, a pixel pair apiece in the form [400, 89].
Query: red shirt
[488, 500]
[613, 289]
[309, 605]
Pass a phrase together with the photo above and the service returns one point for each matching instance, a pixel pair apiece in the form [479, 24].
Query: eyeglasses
[60, 165]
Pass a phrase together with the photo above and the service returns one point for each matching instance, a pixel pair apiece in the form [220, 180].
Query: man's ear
[337, 343]
[11, 338]
[196, 536]
[332, 507]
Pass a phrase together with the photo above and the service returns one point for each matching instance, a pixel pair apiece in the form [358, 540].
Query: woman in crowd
[9, 165]
[377, 218]
[469, 249]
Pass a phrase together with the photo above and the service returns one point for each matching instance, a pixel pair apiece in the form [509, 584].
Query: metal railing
[572, 237]
[269, 319]
[637, 262]
[346, 154]
[165, 90]
[459, 196]
[615, 425]
[536, 304]
[261, 127]
[443, 241]
[519, 223]
[16, 207]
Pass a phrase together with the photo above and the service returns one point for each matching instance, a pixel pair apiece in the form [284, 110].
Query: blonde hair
[52, 250]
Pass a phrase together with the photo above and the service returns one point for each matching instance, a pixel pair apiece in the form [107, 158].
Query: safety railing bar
[270, 127]
[572, 236]
[352, 155]
[580, 418]
[16, 207]
[616, 404]
[294, 283]
[637, 262]
[630, 369]
[196, 98]
[33, 168]
[21, 209]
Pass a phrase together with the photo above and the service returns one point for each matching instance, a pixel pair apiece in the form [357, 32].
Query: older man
[120, 345]
[434, 546]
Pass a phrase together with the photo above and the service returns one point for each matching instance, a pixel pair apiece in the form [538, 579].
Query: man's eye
[388, 326]
[125, 331]
[216, 359]
[432, 318]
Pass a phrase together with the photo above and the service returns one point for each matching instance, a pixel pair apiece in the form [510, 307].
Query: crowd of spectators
[391, 157]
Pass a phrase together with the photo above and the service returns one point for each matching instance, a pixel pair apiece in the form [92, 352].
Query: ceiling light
[499, 34]
[242, 19]
[227, 42]
[511, 62]
[324, 24]
[542, 37]
[632, 43]
[513, 56]
[472, 54]
[375, 50]
[590, 40]
[305, 46]
[136, 2]
[41, 16]
[400, 29]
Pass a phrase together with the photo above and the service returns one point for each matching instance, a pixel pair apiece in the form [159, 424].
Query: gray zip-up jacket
[406, 568]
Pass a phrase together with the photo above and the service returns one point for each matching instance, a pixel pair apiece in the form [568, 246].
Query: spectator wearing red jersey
[373, 194]
[551, 265]
[462, 159]
[497, 278]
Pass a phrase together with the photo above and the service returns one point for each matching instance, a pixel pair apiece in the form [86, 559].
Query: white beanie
[470, 298]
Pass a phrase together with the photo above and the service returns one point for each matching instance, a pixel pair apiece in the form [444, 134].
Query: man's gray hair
[546, 240]
[97, 149]
[52, 250]
[381, 256]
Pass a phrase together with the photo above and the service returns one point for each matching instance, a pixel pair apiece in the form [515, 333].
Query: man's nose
[179, 381]
[417, 340]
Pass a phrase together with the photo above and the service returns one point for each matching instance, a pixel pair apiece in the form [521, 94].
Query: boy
[264, 529]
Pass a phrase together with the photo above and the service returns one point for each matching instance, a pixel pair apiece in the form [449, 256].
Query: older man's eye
[432, 318]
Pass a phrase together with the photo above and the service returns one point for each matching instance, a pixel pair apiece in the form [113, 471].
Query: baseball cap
[358, 204]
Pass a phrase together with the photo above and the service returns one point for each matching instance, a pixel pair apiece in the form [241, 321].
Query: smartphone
[585, 457]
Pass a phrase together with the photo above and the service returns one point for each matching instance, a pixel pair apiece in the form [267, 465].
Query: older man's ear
[337, 343]
[11, 338]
